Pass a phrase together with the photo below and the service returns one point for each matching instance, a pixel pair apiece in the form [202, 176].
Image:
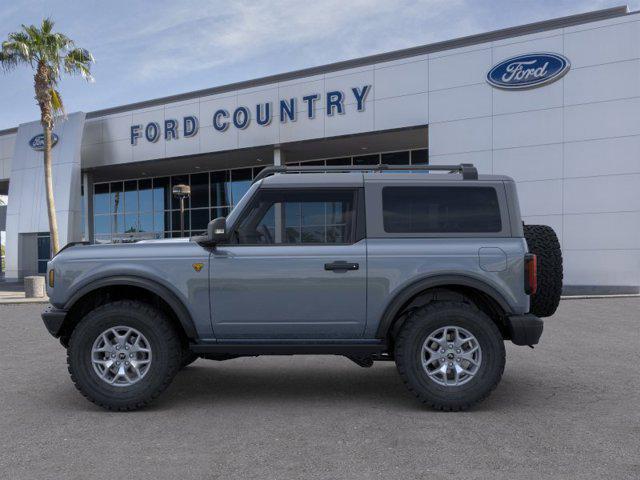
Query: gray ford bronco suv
[432, 271]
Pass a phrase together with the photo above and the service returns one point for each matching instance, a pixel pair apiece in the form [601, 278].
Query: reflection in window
[131, 196]
[199, 219]
[298, 217]
[101, 198]
[200, 190]
[161, 194]
[220, 194]
[102, 225]
[395, 158]
[240, 183]
[179, 180]
[116, 197]
[367, 160]
[145, 222]
[145, 195]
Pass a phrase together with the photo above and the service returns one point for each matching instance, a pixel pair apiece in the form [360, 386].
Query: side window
[441, 210]
[291, 217]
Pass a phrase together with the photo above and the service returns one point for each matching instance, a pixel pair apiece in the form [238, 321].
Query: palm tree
[49, 54]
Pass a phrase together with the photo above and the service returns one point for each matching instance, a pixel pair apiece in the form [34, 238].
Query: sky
[148, 49]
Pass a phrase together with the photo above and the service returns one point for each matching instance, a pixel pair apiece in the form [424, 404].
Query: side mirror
[217, 230]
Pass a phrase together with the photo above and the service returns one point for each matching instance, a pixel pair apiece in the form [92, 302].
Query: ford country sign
[37, 142]
[528, 71]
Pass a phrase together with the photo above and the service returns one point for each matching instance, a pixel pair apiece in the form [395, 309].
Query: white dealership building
[553, 104]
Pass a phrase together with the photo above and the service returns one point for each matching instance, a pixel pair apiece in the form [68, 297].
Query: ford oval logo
[37, 142]
[528, 71]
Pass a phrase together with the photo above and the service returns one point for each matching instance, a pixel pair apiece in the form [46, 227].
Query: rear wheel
[450, 355]
[123, 354]
[188, 357]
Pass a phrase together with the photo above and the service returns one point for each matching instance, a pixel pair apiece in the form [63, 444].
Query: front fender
[176, 303]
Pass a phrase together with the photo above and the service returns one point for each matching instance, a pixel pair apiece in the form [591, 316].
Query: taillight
[530, 274]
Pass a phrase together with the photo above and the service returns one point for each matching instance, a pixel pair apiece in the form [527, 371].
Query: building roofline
[501, 34]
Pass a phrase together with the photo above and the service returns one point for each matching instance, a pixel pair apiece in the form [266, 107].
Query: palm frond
[48, 53]
[47, 25]
[56, 101]
[78, 61]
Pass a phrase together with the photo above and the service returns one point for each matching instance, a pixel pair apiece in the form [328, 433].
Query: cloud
[153, 48]
[201, 35]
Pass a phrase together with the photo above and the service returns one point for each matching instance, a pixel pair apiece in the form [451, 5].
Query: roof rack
[468, 171]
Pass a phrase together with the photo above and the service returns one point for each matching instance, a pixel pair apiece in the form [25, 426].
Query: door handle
[341, 266]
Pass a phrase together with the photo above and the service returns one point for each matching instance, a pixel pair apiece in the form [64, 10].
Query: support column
[87, 205]
[278, 159]
[278, 156]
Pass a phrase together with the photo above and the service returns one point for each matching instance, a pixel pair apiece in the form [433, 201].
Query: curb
[584, 297]
[23, 301]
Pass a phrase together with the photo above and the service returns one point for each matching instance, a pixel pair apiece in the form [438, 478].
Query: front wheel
[450, 355]
[123, 354]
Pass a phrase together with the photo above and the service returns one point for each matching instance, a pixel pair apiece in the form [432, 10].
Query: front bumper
[524, 329]
[54, 319]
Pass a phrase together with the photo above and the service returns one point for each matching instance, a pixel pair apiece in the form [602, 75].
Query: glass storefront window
[161, 194]
[160, 222]
[145, 222]
[240, 183]
[339, 161]
[101, 198]
[116, 197]
[367, 160]
[395, 158]
[200, 190]
[102, 225]
[199, 219]
[131, 223]
[420, 157]
[175, 219]
[145, 195]
[125, 211]
[219, 212]
[131, 196]
[178, 180]
[220, 195]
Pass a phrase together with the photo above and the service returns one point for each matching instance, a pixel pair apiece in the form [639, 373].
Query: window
[298, 217]
[240, 183]
[131, 210]
[44, 251]
[396, 158]
[441, 210]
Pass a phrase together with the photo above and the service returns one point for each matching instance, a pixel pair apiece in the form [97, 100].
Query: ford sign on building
[528, 71]
[37, 142]
[553, 104]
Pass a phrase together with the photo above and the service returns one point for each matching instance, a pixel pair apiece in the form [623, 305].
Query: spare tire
[543, 242]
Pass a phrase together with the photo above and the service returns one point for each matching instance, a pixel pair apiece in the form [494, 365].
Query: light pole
[181, 192]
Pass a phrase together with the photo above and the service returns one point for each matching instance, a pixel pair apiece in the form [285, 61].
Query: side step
[285, 347]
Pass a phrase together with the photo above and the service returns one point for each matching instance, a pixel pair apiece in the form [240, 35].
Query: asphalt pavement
[568, 409]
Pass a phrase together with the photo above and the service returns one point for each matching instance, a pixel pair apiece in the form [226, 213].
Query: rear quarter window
[441, 210]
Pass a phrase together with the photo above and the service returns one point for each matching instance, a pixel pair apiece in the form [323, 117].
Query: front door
[295, 267]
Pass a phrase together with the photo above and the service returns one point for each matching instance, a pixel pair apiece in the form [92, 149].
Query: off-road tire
[165, 346]
[188, 357]
[543, 242]
[408, 346]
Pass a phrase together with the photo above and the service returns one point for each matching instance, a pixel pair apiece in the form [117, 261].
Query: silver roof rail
[468, 171]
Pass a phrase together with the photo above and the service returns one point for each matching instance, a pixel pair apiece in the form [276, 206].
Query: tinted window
[297, 217]
[441, 210]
